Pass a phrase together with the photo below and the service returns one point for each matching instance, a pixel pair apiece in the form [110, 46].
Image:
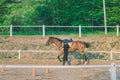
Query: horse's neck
[58, 44]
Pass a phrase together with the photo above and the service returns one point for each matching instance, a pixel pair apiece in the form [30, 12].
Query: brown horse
[74, 45]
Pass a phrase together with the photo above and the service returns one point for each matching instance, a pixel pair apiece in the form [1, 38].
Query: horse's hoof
[68, 63]
[60, 60]
[85, 63]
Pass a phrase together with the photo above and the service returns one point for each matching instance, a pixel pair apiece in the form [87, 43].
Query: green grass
[1, 42]
[4, 56]
[100, 33]
[84, 33]
[24, 47]
[4, 33]
[27, 33]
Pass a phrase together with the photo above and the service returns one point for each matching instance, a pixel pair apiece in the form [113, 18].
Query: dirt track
[54, 62]
[57, 74]
[38, 43]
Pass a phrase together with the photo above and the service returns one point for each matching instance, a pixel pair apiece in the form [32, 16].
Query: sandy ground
[104, 43]
[56, 74]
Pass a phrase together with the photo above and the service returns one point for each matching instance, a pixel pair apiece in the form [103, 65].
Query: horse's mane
[57, 39]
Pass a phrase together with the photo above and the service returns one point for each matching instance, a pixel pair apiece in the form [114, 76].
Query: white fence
[79, 28]
[41, 51]
[112, 67]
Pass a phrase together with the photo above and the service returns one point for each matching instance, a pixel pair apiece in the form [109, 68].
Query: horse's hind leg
[86, 60]
[68, 62]
[84, 57]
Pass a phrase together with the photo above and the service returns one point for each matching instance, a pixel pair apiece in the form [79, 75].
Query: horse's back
[78, 44]
[81, 44]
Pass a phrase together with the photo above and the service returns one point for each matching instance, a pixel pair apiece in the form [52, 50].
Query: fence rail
[112, 67]
[41, 51]
[56, 66]
[43, 28]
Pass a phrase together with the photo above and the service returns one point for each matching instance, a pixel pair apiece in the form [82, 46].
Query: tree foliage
[58, 12]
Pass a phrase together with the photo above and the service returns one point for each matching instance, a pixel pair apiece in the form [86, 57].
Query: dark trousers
[65, 57]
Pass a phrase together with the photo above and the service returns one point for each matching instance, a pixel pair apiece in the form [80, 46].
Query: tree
[58, 12]
[4, 10]
[43, 15]
[113, 11]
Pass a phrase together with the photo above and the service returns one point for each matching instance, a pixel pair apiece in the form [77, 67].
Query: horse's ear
[50, 37]
[71, 39]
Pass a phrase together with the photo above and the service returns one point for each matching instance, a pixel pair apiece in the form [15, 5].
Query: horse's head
[53, 40]
[49, 41]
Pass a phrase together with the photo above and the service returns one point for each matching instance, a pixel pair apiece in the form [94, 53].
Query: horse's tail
[87, 44]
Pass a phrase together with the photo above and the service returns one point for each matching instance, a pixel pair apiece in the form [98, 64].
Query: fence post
[111, 55]
[105, 30]
[117, 30]
[80, 34]
[10, 30]
[113, 71]
[19, 52]
[43, 30]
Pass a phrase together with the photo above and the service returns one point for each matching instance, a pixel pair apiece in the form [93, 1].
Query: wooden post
[19, 52]
[111, 55]
[105, 22]
[113, 71]
[80, 34]
[43, 30]
[10, 30]
[117, 30]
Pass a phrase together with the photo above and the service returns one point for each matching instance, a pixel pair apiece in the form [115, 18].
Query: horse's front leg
[59, 57]
[61, 53]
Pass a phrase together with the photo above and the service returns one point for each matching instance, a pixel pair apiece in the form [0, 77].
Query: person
[66, 47]
[65, 57]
